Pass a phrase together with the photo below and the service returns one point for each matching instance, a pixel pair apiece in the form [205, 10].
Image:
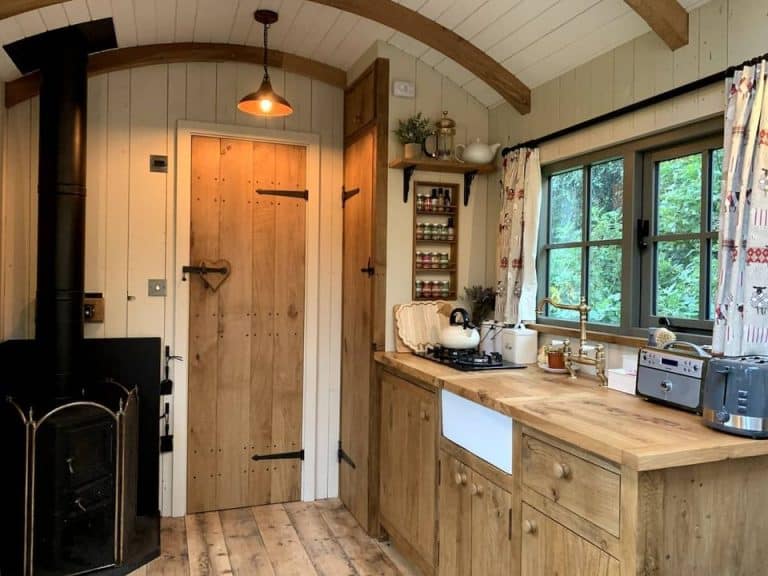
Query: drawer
[580, 486]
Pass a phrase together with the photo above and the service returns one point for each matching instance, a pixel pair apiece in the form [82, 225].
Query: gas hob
[467, 360]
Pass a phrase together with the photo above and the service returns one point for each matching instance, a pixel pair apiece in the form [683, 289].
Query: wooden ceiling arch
[122, 58]
[398, 18]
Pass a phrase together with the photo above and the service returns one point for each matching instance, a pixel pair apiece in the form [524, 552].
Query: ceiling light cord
[266, 51]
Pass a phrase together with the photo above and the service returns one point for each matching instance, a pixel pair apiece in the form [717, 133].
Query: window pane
[715, 185]
[606, 190]
[713, 263]
[678, 195]
[604, 284]
[565, 206]
[564, 281]
[677, 279]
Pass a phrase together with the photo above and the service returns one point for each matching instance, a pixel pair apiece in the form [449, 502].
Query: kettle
[460, 332]
[477, 152]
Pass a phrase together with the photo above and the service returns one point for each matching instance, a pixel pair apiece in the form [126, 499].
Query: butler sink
[484, 432]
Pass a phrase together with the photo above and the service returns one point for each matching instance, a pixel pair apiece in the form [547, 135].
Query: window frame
[704, 146]
[634, 154]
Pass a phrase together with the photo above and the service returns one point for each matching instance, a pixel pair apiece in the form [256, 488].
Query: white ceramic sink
[480, 430]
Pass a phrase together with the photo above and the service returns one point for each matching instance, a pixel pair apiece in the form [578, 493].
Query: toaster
[735, 396]
[672, 376]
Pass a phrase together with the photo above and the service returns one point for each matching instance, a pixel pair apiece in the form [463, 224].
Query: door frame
[313, 452]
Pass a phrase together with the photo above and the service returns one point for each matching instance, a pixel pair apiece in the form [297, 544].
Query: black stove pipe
[61, 212]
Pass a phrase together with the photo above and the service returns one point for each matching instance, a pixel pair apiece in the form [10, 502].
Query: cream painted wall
[131, 212]
[722, 33]
[434, 93]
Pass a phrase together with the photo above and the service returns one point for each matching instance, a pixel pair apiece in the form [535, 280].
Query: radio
[672, 376]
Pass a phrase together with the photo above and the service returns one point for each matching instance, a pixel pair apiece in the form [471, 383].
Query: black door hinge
[347, 194]
[280, 456]
[343, 456]
[370, 270]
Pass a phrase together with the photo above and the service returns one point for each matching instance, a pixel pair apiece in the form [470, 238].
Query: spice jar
[419, 288]
[435, 260]
[444, 260]
[444, 290]
[420, 202]
[420, 231]
[429, 231]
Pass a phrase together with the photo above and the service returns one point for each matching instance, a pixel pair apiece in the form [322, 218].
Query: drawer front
[578, 485]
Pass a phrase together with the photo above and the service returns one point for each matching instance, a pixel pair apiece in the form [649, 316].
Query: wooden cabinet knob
[562, 470]
[460, 479]
[476, 490]
[425, 415]
[530, 527]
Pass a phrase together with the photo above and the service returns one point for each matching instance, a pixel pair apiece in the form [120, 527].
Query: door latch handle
[370, 270]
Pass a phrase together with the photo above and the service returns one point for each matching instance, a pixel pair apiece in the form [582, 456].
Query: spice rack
[435, 240]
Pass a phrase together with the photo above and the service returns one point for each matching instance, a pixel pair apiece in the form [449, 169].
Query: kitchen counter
[621, 428]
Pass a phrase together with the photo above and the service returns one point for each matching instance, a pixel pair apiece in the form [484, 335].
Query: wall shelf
[409, 166]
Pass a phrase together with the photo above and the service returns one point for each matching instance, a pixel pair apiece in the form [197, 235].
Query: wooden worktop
[619, 427]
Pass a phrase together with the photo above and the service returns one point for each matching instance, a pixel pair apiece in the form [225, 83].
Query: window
[633, 229]
[584, 246]
[681, 203]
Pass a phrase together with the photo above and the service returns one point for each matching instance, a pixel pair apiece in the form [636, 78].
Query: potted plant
[412, 132]
[482, 302]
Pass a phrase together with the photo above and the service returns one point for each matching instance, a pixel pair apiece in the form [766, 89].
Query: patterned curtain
[741, 306]
[516, 285]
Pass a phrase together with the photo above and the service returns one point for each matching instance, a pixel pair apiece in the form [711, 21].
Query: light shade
[265, 102]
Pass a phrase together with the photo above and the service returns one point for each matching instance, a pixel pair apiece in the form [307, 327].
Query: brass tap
[581, 356]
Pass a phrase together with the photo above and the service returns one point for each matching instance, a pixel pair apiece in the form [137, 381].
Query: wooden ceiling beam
[665, 17]
[403, 20]
[122, 58]
[463, 52]
[10, 8]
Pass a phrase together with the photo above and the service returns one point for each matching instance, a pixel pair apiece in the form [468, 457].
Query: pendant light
[265, 101]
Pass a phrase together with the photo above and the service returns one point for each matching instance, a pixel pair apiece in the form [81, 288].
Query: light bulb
[265, 105]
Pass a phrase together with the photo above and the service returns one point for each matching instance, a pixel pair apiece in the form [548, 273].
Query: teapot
[460, 332]
[477, 152]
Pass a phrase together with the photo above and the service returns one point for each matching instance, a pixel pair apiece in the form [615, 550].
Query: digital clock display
[669, 362]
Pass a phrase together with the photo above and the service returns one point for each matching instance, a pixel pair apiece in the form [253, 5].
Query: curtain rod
[679, 91]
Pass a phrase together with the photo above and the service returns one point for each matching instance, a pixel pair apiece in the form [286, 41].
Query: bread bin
[520, 344]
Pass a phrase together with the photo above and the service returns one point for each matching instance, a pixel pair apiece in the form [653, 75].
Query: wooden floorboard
[295, 539]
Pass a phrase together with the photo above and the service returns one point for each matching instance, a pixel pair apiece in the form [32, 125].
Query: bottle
[439, 206]
[433, 201]
[451, 234]
[447, 198]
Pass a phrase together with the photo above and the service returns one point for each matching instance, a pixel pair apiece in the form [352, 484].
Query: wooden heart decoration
[215, 278]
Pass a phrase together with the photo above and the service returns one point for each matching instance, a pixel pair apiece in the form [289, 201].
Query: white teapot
[477, 152]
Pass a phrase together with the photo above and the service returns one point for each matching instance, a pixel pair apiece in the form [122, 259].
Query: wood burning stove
[81, 471]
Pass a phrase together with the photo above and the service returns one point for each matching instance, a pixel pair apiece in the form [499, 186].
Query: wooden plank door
[356, 349]
[246, 337]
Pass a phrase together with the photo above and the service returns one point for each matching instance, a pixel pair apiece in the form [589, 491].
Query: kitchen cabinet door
[455, 513]
[491, 528]
[550, 548]
[360, 103]
[409, 464]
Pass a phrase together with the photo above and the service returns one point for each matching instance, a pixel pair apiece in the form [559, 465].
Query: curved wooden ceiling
[512, 43]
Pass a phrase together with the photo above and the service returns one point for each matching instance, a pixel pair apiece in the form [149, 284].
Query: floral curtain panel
[741, 306]
[516, 284]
